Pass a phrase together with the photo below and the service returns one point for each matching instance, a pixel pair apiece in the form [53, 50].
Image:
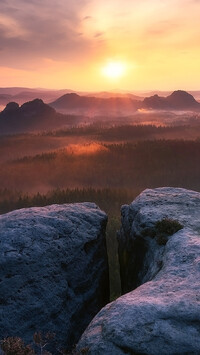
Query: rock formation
[53, 271]
[159, 248]
[30, 117]
[11, 106]
[178, 100]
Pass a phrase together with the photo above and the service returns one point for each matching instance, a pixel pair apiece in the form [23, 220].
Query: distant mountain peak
[36, 107]
[31, 116]
[178, 100]
[95, 105]
[34, 103]
[11, 106]
[182, 99]
[182, 95]
[72, 94]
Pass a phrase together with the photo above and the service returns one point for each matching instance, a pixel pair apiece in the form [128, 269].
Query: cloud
[162, 28]
[87, 18]
[34, 28]
[49, 42]
[98, 34]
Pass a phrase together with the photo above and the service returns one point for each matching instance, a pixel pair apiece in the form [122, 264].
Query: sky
[76, 44]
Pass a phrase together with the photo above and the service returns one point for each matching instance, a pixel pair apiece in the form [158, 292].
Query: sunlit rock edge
[162, 315]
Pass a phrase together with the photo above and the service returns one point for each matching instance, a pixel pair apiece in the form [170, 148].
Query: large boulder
[53, 271]
[159, 248]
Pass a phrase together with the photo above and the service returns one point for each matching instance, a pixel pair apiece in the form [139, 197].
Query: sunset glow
[67, 44]
[114, 70]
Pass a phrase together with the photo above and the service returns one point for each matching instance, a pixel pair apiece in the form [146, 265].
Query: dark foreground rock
[162, 315]
[53, 271]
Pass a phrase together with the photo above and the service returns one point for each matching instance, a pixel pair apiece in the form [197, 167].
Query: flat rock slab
[162, 315]
[53, 271]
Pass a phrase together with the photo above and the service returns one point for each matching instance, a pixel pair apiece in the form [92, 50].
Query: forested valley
[108, 166]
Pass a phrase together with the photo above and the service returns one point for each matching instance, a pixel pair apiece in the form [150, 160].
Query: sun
[114, 70]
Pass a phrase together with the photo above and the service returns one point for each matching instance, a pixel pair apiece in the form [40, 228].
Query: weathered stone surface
[162, 315]
[53, 271]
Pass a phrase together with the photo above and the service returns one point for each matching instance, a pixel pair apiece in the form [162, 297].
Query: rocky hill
[75, 109]
[32, 116]
[178, 100]
[95, 105]
[159, 247]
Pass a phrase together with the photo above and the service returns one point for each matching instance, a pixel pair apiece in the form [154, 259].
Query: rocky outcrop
[11, 106]
[178, 100]
[53, 271]
[159, 247]
[30, 117]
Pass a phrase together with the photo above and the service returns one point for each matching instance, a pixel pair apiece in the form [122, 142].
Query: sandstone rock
[162, 315]
[53, 271]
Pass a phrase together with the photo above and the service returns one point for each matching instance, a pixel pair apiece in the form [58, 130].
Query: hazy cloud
[87, 18]
[53, 41]
[162, 28]
[66, 30]
[98, 34]
[41, 28]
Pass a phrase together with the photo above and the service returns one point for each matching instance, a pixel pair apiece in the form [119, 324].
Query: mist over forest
[106, 159]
